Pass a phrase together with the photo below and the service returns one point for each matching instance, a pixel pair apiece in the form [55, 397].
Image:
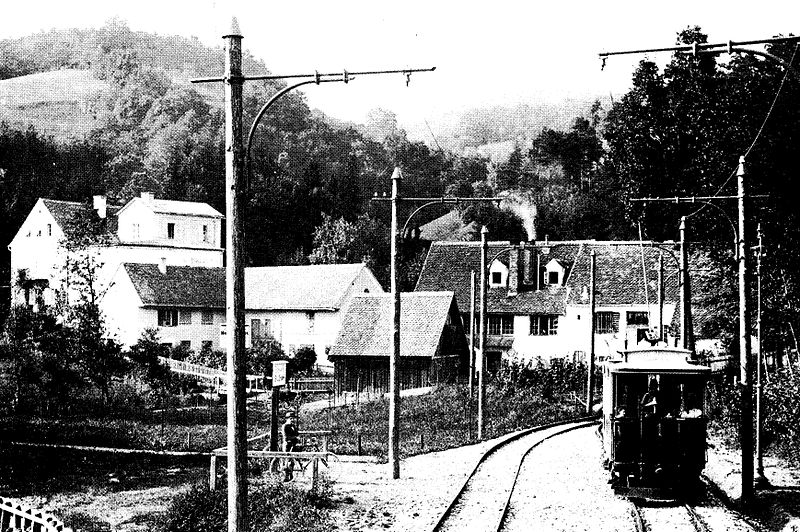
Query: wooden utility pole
[234, 285]
[590, 357]
[471, 338]
[760, 480]
[746, 423]
[687, 331]
[482, 339]
[394, 355]
[660, 334]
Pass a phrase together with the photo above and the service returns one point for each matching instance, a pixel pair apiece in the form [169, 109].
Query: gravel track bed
[562, 486]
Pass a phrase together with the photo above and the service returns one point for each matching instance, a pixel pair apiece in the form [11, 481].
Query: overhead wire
[760, 130]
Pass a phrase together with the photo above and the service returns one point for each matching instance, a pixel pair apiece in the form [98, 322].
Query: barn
[433, 346]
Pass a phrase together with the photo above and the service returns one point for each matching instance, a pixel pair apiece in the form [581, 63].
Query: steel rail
[491, 450]
[525, 455]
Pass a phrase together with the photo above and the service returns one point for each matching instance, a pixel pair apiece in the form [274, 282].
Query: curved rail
[643, 525]
[584, 421]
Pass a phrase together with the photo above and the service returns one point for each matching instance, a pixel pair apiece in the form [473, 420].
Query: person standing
[290, 444]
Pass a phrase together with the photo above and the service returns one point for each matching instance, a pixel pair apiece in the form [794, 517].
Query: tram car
[654, 422]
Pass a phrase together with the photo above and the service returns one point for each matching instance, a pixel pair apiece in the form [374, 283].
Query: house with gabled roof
[538, 294]
[297, 306]
[145, 230]
[433, 346]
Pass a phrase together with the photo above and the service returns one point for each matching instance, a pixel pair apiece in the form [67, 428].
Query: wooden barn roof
[366, 325]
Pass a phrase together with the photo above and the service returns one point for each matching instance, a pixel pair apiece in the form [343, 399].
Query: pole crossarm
[694, 199]
[317, 77]
[730, 46]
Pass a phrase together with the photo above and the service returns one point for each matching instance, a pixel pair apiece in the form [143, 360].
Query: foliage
[272, 506]
[208, 357]
[145, 355]
[303, 360]
[264, 352]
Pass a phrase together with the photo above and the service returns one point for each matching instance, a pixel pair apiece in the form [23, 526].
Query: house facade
[538, 296]
[146, 231]
[433, 347]
[297, 306]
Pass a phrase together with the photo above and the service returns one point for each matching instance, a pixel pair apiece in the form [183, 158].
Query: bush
[272, 506]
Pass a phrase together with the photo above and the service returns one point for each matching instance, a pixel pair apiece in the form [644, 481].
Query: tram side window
[628, 389]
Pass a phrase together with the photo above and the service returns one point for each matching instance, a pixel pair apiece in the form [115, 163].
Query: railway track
[667, 518]
[483, 501]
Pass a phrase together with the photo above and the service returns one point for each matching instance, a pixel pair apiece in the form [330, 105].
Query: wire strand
[760, 130]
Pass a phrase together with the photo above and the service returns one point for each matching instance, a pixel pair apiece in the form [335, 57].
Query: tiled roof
[184, 208]
[180, 286]
[449, 227]
[619, 275]
[66, 211]
[366, 325]
[315, 287]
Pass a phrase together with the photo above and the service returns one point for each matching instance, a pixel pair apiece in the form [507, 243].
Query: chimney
[162, 266]
[527, 266]
[99, 204]
[515, 269]
[147, 196]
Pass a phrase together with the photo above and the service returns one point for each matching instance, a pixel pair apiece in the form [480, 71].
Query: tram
[654, 422]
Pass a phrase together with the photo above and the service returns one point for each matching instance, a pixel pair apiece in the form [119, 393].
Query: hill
[58, 103]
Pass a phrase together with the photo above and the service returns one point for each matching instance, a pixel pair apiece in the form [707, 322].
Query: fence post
[212, 475]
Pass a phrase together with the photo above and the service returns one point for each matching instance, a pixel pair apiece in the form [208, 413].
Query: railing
[255, 383]
[311, 384]
[276, 459]
[17, 518]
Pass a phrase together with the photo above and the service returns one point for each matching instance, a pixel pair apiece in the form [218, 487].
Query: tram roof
[656, 360]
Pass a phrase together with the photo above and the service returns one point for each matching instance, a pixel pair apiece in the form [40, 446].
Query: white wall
[574, 330]
[294, 329]
[153, 227]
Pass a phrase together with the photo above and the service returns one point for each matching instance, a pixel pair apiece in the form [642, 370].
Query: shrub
[271, 505]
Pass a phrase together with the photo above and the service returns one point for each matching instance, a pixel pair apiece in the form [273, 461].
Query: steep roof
[315, 287]
[367, 324]
[64, 212]
[180, 286]
[619, 275]
[180, 208]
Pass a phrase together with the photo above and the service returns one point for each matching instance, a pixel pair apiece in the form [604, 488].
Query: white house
[538, 295]
[298, 306]
[145, 230]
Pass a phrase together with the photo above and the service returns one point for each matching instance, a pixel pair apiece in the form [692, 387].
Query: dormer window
[171, 231]
[552, 277]
[49, 230]
[497, 278]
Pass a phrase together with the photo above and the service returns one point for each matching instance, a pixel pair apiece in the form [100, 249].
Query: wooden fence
[17, 518]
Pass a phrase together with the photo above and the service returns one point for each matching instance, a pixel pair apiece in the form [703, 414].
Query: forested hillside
[677, 132]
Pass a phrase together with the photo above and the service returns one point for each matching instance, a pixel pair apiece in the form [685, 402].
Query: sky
[486, 53]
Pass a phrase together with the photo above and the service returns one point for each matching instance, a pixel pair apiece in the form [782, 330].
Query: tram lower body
[656, 459]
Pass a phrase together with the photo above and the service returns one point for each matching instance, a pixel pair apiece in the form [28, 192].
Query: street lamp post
[482, 338]
[394, 354]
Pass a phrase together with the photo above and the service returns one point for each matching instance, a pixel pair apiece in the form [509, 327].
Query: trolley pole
[471, 338]
[761, 481]
[482, 339]
[592, 302]
[234, 285]
[687, 331]
[746, 423]
[660, 335]
[394, 355]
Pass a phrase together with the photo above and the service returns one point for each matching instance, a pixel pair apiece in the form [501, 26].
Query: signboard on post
[279, 373]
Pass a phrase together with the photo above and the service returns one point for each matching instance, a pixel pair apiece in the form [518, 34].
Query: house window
[255, 329]
[268, 328]
[167, 317]
[501, 325]
[311, 319]
[185, 317]
[136, 231]
[206, 345]
[544, 325]
[205, 233]
[606, 322]
[171, 230]
[637, 318]
[49, 230]
[552, 277]
[497, 278]
[186, 344]
[207, 318]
